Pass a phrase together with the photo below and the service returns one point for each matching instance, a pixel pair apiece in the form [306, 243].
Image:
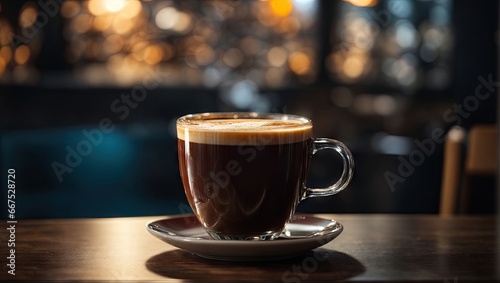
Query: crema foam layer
[244, 131]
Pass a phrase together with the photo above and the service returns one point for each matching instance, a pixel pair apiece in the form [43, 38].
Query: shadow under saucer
[316, 265]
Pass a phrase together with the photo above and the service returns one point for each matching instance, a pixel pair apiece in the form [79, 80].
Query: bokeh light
[82, 23]
[22, 54]
[122, 25]
[6, 54]
[103, 22]
[100, 7]
[5, 32]
[113, 44]
[353, 66]
[131, 9]
[167, 18]
[28, 15]
[277, 56]
[363, 3]
[281, 7]
[153, 54]
[3, 66]
[114, 5]
[300, 63]
[233, 57]
[204, 54]
[70, 8]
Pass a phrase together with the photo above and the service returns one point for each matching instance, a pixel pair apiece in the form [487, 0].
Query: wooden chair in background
[481, 159]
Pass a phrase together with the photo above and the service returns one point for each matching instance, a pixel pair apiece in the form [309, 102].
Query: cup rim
[246, 115]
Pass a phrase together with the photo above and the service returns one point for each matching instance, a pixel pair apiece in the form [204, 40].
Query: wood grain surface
[371, 248]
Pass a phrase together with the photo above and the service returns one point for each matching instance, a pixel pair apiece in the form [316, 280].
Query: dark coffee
[244, 177]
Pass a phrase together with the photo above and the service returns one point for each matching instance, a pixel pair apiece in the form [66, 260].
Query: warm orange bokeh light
[300, 63]
[290, 25]
[103, 22]
[281, 7]
[82, 23]
[22, 54]
[113, 6]
[5, 33]
[131, 9]
[353, 66]
[6, 54]
[70, 9]
[28, 15]
[100, 7]
[96, 7]
[122, 25]
[2, 67]
[363, 3]
[153, 54]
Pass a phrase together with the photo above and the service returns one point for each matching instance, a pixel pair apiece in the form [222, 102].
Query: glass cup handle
[347, 171]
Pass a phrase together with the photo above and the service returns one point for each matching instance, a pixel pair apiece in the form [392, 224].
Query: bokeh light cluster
[404, 44]
[197, 43]
[20, 45]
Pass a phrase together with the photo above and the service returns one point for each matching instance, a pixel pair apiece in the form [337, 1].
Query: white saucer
[303, 233]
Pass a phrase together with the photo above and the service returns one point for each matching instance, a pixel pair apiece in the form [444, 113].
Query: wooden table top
[371, 248]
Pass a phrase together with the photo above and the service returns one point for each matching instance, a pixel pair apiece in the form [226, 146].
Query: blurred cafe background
[90, 90]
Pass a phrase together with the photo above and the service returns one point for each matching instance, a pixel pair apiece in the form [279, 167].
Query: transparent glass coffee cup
[244, 173]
